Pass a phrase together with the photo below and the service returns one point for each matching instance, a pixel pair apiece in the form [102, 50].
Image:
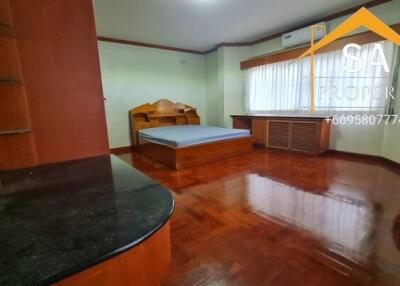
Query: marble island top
[59, 219]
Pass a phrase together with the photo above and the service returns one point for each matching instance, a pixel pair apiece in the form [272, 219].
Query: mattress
[185, 135]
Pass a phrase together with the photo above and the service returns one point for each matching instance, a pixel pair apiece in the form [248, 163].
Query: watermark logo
[362, 18]
[352, 62]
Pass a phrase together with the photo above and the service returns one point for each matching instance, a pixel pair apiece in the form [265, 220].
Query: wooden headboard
[161, 113]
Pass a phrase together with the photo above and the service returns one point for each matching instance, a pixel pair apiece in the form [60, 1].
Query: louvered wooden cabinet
[307, 135]
[278, 135]
[304, 136]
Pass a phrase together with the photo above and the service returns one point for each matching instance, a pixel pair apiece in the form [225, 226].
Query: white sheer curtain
[285, 86]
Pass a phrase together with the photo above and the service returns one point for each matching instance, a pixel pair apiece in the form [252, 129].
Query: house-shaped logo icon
[359, 19]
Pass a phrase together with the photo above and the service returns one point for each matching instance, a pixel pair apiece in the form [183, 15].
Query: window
[285, 86]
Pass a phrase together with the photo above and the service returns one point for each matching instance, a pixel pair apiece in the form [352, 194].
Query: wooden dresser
[304, 134]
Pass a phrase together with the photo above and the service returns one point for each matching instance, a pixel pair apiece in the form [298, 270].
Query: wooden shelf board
[6, 31]
[15, 131]
[8, 81]
[165, 115]
[4, 25]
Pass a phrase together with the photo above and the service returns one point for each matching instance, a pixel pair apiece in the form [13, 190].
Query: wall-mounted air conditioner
[302, 36]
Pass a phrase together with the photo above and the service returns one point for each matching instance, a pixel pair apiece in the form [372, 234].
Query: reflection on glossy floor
[271, 218]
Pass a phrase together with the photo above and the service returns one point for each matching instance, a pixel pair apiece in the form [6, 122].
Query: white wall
[225, 85]
[233, 82]
[213, 100]
[136, 75]
[358, 139]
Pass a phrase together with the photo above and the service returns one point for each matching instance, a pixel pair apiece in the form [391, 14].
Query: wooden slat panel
[278, 134]
[304, 137]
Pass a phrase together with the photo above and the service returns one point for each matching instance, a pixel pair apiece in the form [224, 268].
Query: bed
[170, 133]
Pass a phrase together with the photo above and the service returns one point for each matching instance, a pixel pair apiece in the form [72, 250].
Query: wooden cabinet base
[305, 134]
[145, 264]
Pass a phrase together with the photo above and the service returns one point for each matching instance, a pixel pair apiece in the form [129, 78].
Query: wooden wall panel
[17, 146]
[6, 23]
[13, 108]
[60, 63]
[9, 68]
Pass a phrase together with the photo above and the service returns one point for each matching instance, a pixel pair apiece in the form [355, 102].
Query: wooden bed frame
[166, 113]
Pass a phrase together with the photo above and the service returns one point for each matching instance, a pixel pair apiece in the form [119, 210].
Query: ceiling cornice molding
[246, 43]
[148, 45]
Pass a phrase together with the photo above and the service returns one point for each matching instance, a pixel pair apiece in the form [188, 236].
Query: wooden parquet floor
[271, 218]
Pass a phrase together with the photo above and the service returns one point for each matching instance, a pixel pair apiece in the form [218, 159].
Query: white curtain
[285, 86]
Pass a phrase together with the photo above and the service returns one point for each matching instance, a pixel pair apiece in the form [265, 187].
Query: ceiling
[201, 24]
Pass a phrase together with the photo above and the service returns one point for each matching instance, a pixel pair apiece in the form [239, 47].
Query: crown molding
[148, 45]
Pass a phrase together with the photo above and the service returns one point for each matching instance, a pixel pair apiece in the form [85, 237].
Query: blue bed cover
[184, 135]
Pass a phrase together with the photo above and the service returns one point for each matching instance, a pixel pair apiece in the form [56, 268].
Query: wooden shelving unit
[17, 147]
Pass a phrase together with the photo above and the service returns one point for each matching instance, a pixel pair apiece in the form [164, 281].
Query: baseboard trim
[391, 163]
[352, 155]
[120, 150]
[365, 158]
